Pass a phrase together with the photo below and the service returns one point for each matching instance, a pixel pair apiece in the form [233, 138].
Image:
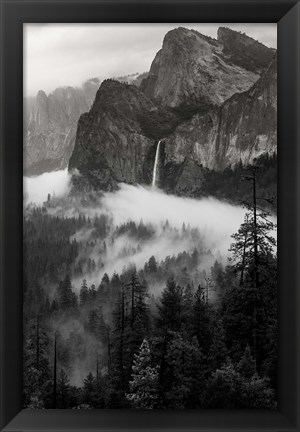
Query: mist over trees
[150, 255]
[187, 331]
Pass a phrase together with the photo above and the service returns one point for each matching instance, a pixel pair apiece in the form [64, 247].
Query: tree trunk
[54, 373]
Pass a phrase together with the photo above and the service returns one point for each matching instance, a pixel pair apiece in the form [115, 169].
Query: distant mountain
[211, 103]
[50, 124]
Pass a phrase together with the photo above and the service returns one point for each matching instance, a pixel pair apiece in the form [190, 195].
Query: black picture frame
[13, 14]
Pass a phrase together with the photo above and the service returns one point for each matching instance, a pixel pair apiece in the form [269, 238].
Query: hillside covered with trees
[188, 331]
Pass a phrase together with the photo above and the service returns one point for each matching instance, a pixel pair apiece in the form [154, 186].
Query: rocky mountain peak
[181, 35]
[117, 97]
[41, 96]
[113, 90]
[226, 35]
[191, 71]
[244, 51]
[176, 35]
[212, 101]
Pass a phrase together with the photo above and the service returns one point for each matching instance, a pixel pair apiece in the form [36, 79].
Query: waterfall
[155, 164]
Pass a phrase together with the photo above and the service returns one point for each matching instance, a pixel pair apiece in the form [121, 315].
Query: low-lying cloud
[36, 189]
[213, 222]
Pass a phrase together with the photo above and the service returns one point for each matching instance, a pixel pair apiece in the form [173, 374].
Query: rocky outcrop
[116, 140]
[193, 71]
[201, 122]
[242, 129]
[50, 124]
[135, 79]
[242, 50]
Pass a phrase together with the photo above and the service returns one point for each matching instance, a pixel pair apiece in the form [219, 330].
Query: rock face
[50, 124]
[242, 129]
[116, 140]
[244, 51]
[135, 79]
[204, 98]
[195, 71]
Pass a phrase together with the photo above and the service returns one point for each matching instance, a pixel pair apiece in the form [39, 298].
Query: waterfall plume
[155, 164]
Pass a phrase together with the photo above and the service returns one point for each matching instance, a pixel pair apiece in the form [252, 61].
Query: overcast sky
[67, 54]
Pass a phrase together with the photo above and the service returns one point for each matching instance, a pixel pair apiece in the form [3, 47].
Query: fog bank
[214, 220]
[37, 188]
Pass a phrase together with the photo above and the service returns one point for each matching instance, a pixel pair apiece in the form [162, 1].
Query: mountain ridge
[193, 69]
[50, 123]
[212, 102]
[117, 139]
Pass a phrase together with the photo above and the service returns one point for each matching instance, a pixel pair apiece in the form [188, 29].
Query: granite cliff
[116, 140]
[211, 102]
[50, 123]
[196, 71]
[241, 130]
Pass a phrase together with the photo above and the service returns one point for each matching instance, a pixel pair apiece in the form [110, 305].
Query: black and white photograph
[150, 216]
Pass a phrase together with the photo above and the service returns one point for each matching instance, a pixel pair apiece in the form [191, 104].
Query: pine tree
[218, 353]
[89, 391]
[118, 352]
[54, 306]
[187, 308]
[256, 393]
[37, 374]
[104, 285]
[259, 226]
[227, 388]
[144, 380]
[202, 321]
[83, 295]
[66, 297]
[152, 265]
[36, 401]
[142, 318]
[63, 389]
[239, 319]
[133, 287]
[170, 309]
[247, 366]
[184, 385]
[92, 294]
[95, 323]
[250, 251]
[224, 388]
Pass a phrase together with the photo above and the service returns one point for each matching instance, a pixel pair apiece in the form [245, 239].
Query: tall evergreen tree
[184, 386]
[202, 321]
[218, 352]
[187, 308]
[37, 374]
[247, 366]
[144, 380]
[117, 347]
[170, 309]
[66, 297]
[63, 390]
[83, 295]
[89, 391]
[152, 265]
